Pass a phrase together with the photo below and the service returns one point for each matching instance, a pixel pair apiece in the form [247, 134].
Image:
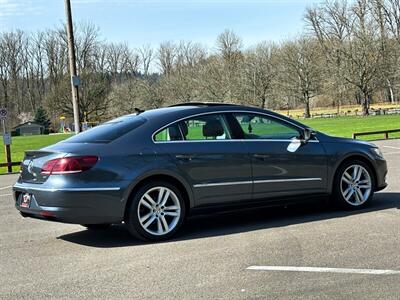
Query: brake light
[68, 165]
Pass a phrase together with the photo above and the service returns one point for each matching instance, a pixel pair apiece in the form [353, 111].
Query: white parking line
[391, 147]
[5, 195]
[324, 270]
[5, 187]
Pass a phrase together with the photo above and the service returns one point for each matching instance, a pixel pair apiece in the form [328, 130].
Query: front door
[281, 164]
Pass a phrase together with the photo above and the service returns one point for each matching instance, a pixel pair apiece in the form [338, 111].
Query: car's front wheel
[354, 185]
[156, 211]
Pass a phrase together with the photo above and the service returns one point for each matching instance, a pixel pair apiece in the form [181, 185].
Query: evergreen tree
[42, 118]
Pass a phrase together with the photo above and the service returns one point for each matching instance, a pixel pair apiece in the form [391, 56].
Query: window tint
[109, 131]
[171, 133]
[209, 127]
[263, 127]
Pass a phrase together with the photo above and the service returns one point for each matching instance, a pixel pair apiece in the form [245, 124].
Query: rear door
[281, 164]
[217, 167]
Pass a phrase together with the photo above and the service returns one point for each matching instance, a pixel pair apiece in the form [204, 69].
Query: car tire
[156, 211]
[96, 226]
[354, 185]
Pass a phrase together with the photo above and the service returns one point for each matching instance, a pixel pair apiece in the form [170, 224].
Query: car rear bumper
[71, 205]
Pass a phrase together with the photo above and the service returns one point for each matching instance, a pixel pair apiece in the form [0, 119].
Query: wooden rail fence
[384, 132]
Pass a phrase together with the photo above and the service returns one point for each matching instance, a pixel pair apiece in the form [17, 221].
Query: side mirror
[307, 135]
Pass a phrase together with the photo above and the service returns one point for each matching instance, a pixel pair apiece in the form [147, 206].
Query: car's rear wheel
[156, 211]
[354, 185]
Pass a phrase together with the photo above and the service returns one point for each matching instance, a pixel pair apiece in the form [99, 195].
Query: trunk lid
[33, 162]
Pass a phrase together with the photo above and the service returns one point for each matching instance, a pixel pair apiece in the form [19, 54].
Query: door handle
[183, 156]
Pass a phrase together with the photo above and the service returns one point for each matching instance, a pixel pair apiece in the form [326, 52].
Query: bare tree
[146, 55]
[301, 70]
[166, 57]
[260, 71]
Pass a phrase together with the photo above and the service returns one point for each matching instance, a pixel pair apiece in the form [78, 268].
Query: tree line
[348, 53]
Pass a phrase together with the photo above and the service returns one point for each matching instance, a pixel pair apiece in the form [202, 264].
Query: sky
[139, 22]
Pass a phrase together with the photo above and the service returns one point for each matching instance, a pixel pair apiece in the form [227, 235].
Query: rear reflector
[68, 165]
[46, 214]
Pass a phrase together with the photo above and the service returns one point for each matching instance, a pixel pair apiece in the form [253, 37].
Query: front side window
[255, 126]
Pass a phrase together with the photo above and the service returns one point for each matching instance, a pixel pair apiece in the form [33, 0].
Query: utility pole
[72, 66]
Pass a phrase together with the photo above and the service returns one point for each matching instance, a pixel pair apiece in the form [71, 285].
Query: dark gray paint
[126, 161]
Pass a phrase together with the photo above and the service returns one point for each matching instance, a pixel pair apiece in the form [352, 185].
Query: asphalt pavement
[298, 252]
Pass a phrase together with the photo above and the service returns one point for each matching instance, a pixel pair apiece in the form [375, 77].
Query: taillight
[68, 165]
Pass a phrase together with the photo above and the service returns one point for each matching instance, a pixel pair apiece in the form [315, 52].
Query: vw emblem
[30, 167]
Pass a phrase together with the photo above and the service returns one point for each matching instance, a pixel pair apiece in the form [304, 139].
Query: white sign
[7, 139]
[3, 113]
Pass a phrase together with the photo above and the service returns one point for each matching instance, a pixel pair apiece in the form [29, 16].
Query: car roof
[179, 111]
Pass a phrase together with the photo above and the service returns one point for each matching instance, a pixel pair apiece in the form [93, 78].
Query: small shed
[29, 128]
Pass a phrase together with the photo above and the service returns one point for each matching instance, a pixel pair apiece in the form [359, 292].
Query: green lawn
[22, 143]
[342, 126]
[345, 126]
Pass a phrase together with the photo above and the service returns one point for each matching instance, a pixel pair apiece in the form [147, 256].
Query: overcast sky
[139, 22]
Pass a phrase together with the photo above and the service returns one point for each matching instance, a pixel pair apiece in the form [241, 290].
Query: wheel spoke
[174, 207]
[348, 196]
[347, 191]
[146, 203]
[357, 196]
[172, 214]
[159, 226]
[160, 195]
[148, 198]
[364, 181]
[149, 222]
[144, 218]
[164, 222]
[165, 199]
[348, 176]
[360, 195]
[364, 186]
[346, 180]
[360, 173]
[355, 172]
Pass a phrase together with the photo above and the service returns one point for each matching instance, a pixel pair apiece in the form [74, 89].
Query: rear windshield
[109, 131]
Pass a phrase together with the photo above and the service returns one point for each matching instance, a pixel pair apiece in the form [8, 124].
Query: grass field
[342, 126]
[22, 143]
[295, 113]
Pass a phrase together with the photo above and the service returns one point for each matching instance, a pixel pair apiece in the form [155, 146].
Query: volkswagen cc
[152, 169]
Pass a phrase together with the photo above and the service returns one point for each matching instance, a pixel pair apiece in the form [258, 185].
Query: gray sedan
[152, 169]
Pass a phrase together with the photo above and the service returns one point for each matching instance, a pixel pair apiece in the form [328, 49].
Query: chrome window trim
[223, 112]
[232, 140]
[255, 182]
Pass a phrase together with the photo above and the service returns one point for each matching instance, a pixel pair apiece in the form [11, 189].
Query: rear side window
[208, 127]
[109, 131]
[171, 133]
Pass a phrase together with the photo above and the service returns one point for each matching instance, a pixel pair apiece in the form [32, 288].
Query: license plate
[26, 200]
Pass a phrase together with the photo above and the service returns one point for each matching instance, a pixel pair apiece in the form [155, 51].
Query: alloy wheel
[356, 185]
[159, 211]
